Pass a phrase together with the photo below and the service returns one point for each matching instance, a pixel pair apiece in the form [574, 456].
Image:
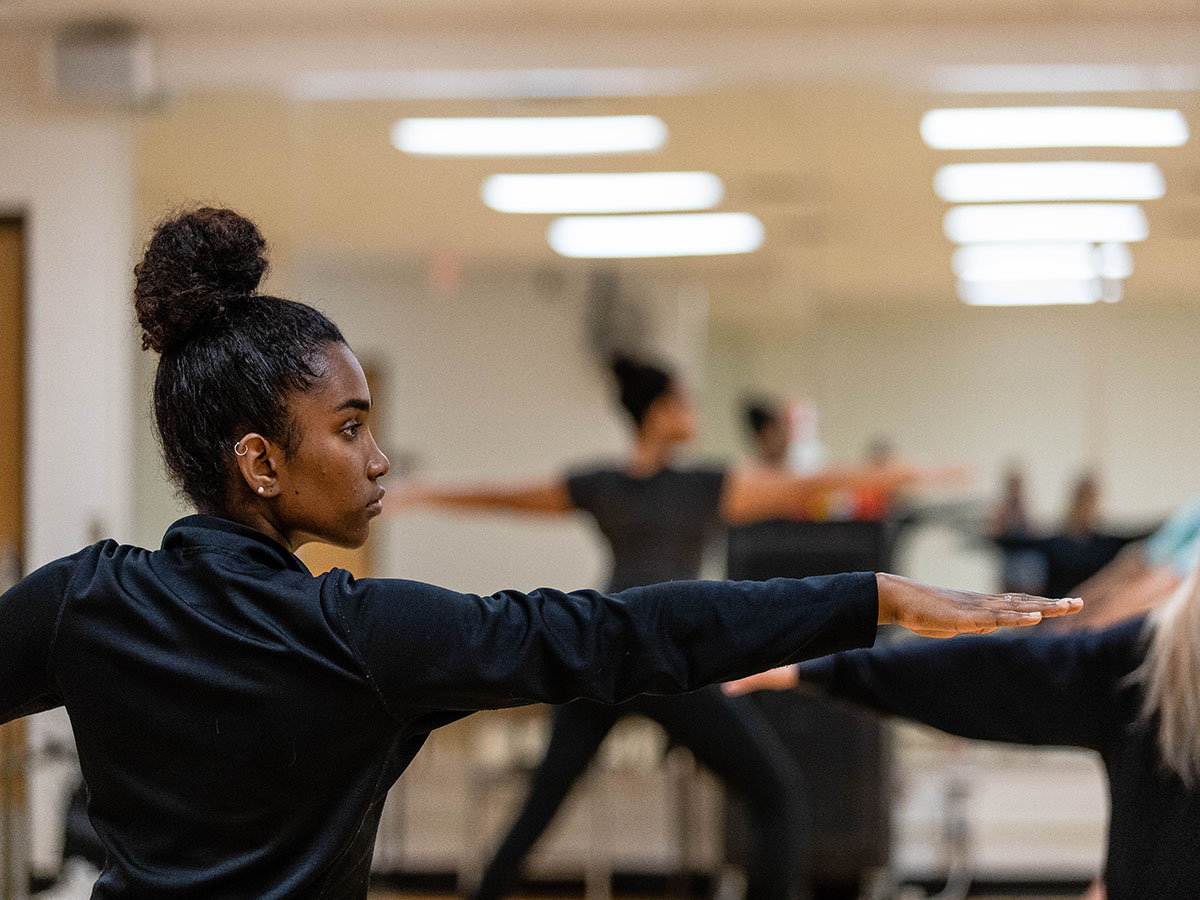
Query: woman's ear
[256, 462]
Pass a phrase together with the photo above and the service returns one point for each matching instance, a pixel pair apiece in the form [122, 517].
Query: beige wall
[1060, 389]
[70, 176]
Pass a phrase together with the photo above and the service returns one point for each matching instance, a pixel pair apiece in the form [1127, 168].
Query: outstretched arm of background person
[549, 497]
[1044, 689]
[753, 494]
[1126, 587]
[1136, 599]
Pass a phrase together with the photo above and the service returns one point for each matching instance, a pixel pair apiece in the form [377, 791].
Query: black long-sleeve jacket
[1049, 689]
[239, 722]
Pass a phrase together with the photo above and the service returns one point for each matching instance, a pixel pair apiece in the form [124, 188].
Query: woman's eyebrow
[354, 403]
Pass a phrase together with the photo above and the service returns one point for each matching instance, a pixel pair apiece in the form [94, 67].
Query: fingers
[1066, 606]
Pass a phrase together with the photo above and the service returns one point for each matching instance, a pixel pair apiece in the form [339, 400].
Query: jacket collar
[214, 532]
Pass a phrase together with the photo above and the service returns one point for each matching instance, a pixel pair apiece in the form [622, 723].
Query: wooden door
[13, 813]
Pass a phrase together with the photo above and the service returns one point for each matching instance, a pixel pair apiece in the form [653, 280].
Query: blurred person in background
[1128, 692]
[784, 440]
[1144, 573]
[1022, 569]
[1080, 548]
[658, 519]
[770, 432]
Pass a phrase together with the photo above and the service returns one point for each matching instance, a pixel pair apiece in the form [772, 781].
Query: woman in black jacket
[239, 722]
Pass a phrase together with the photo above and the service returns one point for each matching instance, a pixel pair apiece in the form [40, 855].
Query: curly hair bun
[198, 266]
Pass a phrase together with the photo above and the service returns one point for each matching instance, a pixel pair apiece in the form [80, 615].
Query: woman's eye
[352, 429]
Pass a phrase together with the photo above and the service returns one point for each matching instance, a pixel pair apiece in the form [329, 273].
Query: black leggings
[724, 734]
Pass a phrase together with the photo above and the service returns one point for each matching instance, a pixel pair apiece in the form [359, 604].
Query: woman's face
[773, 441]
[671, 417]
[328, 487]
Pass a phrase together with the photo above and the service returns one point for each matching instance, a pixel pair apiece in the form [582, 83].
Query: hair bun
[197, 266]
[623, 366]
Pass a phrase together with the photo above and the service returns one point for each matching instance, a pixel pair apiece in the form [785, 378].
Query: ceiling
[808, 109]
[589, 13]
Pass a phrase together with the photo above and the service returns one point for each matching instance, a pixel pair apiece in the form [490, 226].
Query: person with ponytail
[658, 518]
[1130, 692]
[240, 721]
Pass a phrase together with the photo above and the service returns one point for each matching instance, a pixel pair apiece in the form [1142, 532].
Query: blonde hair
[1170, 675]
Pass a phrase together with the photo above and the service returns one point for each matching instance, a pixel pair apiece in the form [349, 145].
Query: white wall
[71, 178]
[495, 382]
[1060, 389]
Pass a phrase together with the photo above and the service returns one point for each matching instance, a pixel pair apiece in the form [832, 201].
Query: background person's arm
[755, 494]
[1047, 689]
[548, 497]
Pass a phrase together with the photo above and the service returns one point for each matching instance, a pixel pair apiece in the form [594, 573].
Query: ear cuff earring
[241, 452]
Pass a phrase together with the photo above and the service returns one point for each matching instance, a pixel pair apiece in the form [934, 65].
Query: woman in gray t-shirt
[658, 519]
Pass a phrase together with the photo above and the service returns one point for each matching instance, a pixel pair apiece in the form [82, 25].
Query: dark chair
[842, 754]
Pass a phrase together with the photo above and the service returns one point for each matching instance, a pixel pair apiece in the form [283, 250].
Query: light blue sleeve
[1177, 543]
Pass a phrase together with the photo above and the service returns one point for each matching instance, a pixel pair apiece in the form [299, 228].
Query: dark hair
[640, 385]
[760, 414]
[229, 357]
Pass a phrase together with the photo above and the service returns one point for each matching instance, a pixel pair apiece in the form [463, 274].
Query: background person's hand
[941, 612]
[780, 679]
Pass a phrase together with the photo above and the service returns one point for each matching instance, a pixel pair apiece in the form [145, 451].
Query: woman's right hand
[941, 612]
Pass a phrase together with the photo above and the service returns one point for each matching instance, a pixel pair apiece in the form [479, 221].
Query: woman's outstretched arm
[754, 494]
[547, 497]
[428, 647]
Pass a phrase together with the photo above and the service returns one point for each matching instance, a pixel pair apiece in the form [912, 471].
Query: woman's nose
[379, 465]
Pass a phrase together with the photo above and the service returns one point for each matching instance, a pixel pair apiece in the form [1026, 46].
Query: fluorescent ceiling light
[1032, 293]
[1057, 78]
[1096, 223]
[989, 182]
[1041, 262]
[1053, 126]
[627, 237]
[1113, 261]
[603, 193]
[492, 84]
[541, 136]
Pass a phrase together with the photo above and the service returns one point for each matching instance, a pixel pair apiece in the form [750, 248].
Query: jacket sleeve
[1054, 689]
[427, 647]
[29, 613]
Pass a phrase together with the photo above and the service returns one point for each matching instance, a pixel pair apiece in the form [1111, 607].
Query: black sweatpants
[724, 734]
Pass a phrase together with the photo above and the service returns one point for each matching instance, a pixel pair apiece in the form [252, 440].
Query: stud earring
[261, 489]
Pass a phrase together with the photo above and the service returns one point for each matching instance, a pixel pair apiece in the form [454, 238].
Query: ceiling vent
[103, 62]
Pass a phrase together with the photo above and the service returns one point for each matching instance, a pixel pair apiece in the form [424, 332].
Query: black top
[239, 721]
[657, 527]
[1064, 689]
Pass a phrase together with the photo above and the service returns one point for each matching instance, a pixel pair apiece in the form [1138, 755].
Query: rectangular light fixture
[614, 192]
[1060, 78]
[1006, 182]
[1031, 293]
[1041, 262]
[532, 136]
[630, 237]
[1096, 223]
[1052, 126]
